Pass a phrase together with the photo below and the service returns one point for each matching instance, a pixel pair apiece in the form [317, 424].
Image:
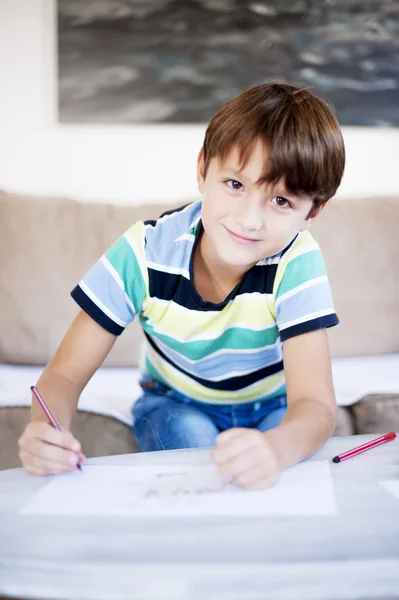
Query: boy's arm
[81, 352]
[304, 308]
[43, 449]
[312, 410]
[254, 459]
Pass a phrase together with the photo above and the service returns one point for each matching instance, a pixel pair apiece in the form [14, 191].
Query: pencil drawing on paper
[186, 484]
[164, 488]
[183, 491]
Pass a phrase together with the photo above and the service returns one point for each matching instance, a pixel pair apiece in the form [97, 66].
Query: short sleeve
[113, 291]
[303, 296]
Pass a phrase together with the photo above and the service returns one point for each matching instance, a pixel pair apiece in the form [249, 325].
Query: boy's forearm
[307, 425]
[61, 396]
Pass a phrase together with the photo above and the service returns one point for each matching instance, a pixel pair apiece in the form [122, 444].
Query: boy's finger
[51, 468]
[262, 484]
[32, 470]
[227, 436]
[227, 452]
[53, 454]
[36, 465]
[49, 434]
[251, 476]
[240, 464]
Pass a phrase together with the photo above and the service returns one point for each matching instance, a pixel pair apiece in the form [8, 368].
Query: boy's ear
[200, 170]
[312, 218]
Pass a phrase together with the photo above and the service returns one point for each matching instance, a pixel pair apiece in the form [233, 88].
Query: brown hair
[300, 131]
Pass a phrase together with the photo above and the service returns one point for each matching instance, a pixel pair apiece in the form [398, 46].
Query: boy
[233, 297]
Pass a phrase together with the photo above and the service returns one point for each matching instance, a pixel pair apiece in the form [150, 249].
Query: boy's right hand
[44, 450]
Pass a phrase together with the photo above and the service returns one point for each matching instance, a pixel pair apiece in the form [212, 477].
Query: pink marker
[47, 411]
[377, 442]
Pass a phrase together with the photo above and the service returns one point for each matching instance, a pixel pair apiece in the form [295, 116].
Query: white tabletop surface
[354, 554]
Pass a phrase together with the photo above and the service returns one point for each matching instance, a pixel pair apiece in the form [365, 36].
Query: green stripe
[282, 391]
[124, 260]
[233, 339]
[301, 269]
[150, 369]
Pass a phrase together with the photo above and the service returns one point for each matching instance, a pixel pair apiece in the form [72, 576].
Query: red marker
[47, 411]
[381, 440]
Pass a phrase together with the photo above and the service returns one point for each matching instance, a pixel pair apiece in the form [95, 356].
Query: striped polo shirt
[218, 353]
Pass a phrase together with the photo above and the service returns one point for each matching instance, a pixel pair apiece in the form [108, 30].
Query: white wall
[120, 163]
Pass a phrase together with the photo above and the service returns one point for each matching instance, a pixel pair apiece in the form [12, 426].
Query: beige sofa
[46, 245]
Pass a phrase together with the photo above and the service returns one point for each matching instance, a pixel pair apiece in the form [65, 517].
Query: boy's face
[244, 221]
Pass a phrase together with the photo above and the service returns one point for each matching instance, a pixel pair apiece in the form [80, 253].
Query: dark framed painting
[178, 61]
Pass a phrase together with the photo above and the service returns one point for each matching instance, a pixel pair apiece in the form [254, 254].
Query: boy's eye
[234, 184]
[280, 201]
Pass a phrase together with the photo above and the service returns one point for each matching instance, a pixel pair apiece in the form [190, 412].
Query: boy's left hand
[246, 457]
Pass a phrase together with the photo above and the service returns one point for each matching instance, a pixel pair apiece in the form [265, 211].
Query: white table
[352, 555]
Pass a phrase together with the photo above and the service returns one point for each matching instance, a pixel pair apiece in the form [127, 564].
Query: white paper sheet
[391, 486]
[182, 491]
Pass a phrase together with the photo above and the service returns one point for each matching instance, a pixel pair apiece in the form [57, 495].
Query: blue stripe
[232, 384]
[225, 362]
[306, 302]
[161, 247]
[106, 289]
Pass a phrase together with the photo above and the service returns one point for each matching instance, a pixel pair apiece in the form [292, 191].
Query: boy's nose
[250, 217]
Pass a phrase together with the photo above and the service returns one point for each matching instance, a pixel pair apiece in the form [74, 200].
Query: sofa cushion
[360, 243]
[110, 392]
[102, 436]
[345, 423]
[46, 246]
[376, 413]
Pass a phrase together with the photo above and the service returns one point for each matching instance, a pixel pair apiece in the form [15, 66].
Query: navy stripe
[258, 279]
[313, 325]
[232, 384]
[175, 210]
[170, 286]
[289, 246]
[153, 222]
[94, 312]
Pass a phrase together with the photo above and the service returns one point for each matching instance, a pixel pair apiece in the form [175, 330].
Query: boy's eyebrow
[231, 170]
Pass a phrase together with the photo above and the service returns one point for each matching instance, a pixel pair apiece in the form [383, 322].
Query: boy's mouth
[240, 238]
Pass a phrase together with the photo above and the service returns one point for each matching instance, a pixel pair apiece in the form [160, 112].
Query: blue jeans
[166, 420]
